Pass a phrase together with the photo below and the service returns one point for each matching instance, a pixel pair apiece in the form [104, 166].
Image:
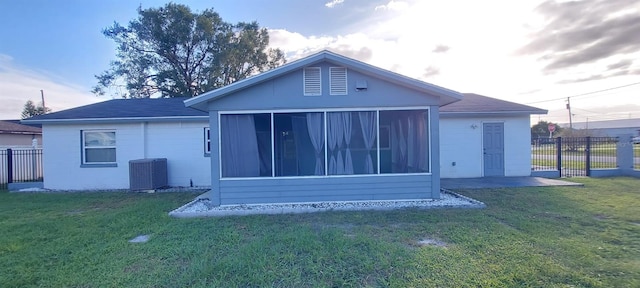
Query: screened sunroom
[331, 143]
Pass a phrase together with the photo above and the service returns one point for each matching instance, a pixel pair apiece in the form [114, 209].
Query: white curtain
[368, 127]
[335, 137]
[316, 134]
[348, 161]
[398, 147]
[240, 156]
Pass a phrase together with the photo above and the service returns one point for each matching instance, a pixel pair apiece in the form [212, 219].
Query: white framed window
[207, 140]
[312, 81]
[337, 81]
[98, 147]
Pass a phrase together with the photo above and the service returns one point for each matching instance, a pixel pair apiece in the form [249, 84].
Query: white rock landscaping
[202, 207]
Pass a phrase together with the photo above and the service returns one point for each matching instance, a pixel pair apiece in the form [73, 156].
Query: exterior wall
[180, 142]
[286, 92]
[282, 190]
[18, 140]
[461, 146]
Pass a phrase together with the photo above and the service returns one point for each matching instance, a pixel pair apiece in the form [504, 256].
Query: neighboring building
[16, 135]
[325, 127]
[609, 128]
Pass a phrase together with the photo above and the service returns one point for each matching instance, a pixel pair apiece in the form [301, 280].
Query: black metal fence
[574, 156]
[20, 165]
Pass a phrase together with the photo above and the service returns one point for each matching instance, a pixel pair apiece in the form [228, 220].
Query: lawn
[537, 237]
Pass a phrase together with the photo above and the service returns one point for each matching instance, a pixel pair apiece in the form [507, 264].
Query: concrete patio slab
[502, 182]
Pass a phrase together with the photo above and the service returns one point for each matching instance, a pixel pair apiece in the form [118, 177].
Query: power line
[585, 94]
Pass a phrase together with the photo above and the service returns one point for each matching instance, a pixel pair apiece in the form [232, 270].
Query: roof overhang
[444, 114]
[119, 120]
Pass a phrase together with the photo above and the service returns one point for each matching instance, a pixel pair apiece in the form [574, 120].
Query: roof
[147, 109]
[478, 104]
[9, 127]
[168, 109]
[446, 95]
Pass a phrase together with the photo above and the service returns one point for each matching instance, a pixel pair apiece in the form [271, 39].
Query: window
[338, 81]
[312, 81]
[207, 140]
[299, 144]
[245, 141]
[408, 141]
[294, 144]
[99, 147]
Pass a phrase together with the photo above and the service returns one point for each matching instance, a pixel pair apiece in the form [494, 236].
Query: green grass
[528, 237]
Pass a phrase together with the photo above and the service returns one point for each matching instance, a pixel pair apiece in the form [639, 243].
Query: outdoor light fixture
[474, 126]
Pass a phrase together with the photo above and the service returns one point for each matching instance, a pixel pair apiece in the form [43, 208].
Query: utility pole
[42, 96]
[569, 108]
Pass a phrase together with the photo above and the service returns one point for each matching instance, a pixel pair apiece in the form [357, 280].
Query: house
[15, 135]
[608, 128]
[325, 127]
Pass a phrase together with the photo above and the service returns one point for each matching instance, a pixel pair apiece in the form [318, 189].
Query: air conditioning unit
[147, 174]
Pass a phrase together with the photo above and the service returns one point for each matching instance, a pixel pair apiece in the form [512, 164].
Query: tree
[172, 52]
[31, 110]
[541, 130]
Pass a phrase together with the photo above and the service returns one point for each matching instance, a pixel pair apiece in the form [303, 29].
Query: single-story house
[325, 127]
[16, 135]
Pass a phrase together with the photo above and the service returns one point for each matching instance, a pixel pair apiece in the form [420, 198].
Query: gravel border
[202, 207]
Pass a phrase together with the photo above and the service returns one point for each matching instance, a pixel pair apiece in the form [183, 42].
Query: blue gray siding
[283, 190]
[286, 92]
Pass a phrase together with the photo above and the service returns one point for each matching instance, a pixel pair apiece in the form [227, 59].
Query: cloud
[19, 84]
[441, 49]
[393, 6]
[584, 32]
[333, 3]
[430, 72]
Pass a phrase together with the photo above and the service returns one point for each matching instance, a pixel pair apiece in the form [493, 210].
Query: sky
[532, 52]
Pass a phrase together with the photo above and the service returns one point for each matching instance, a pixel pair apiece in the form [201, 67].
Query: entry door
[493, 149]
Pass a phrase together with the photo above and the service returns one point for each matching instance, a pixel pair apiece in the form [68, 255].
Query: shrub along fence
[581, 156]
[20, 165]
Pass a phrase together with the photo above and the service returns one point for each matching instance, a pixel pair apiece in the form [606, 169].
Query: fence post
[559, 154]
[587, 153]
[9, 166]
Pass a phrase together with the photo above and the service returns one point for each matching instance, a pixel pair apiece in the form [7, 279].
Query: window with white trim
[207, 140]
[98, 147]
[312, 81]
[337, 81]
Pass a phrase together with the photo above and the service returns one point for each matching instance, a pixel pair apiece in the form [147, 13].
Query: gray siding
[282, 190]
[286, 92]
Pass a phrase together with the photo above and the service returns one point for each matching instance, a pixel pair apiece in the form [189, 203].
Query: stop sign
[551, 127]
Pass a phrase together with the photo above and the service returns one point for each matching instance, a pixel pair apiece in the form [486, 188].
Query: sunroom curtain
[335, 137]
[368, 127]
[240, 156]
[316, 134]
[398, 147]
[348, 161]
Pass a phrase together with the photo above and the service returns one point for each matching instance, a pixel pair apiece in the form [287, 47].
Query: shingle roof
[125, 109]
[8, 127]
[474, 103]
[172, 108]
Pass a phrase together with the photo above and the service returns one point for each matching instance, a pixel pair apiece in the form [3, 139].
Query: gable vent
[312, 81]
[338, 81]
